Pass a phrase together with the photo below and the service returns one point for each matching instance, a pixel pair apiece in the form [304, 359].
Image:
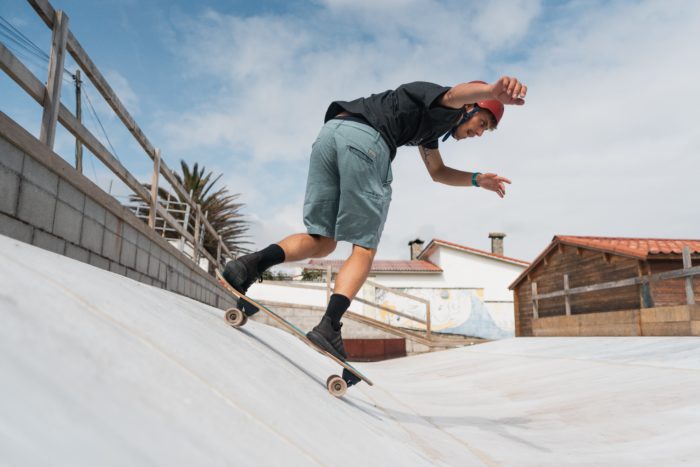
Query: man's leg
[243, 271]
[348, 282]
[302, 246]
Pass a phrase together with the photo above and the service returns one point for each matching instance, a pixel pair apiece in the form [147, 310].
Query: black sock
[270, 256]
[336, 307]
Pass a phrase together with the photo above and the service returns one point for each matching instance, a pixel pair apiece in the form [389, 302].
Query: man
[348, 188]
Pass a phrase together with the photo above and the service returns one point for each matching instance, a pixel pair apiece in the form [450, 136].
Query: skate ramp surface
[97, 369]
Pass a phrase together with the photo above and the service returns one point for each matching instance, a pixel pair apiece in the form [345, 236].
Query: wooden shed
[585, 286]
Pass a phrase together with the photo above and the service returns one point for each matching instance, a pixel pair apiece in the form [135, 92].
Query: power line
[20, 38]
[25, 47]
[92, 109]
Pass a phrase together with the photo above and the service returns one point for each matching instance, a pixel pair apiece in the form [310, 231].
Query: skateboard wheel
[235, 317]
[336, 385]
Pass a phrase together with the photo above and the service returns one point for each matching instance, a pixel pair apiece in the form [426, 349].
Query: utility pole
[78, 114]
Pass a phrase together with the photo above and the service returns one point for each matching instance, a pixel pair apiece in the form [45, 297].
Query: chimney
[497, 242]
[416, 247]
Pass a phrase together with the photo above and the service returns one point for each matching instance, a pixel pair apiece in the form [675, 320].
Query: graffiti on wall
[454, 311]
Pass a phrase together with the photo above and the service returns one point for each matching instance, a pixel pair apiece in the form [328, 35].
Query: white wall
[469, 270]
[480, 306]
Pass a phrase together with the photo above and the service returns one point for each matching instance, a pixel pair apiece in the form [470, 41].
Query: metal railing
[327, 285]
[688, 272]
[49, 97]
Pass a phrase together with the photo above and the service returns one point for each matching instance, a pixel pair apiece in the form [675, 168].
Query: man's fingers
[500, 179]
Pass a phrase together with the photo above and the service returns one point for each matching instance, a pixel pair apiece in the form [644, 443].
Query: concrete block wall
[45, 202]
[680, 320]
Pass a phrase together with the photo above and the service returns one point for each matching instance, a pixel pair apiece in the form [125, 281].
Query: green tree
[221, 208]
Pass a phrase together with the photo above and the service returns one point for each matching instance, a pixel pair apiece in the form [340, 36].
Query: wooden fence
[49, 97]
[688, 272]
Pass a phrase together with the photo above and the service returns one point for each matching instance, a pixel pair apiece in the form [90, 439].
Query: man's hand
[493, 182]
[509, 91]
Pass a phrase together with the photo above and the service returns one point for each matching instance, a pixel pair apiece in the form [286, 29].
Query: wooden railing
[688, 272]
[49, 97]
[327, 285]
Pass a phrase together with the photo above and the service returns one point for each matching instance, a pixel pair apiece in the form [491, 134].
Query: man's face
[475, 126]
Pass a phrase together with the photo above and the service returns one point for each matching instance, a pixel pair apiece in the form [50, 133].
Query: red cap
[492, 105]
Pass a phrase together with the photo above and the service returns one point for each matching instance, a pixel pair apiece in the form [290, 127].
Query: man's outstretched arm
[508, 90]
[440, 173]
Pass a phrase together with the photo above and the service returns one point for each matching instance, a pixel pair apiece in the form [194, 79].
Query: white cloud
[605, 143]
[123, 89]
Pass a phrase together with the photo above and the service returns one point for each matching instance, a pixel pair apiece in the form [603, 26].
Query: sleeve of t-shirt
[426, 93]
[431, 144]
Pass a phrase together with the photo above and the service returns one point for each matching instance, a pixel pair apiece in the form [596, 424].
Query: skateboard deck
[335, 384]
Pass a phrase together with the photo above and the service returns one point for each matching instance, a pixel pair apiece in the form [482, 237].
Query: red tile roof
[437, 241]
[639, 248]
[636, 247]
[379, 265]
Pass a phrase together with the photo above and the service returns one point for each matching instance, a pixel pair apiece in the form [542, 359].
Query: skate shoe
[240, 274]
[327, 338]
[350, 378]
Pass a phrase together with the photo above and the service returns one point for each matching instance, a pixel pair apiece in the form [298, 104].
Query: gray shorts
[348, 190]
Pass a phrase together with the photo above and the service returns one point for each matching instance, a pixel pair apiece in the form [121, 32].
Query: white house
[467, 288]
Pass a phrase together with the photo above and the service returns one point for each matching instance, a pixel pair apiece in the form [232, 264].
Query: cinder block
[11, 156]
[128, 255]
[9, 191]
[111, 245]
[95, 211]
[695, 312]
[171, 280]
[129, 233]
[77, 253]
[71, 195]
[67, 222]
[49, 242]
[677, 328]
[695, 328]
[143, 242]
[113, 224]
[163, 272]
[131, 274]
[36, 206]
[153, 267]
[141, 261]
[99, 261]
[117, 268]
[40, 176]
[92, 234]
[13, 228]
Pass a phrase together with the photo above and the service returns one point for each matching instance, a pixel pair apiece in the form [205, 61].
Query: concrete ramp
[97, 369]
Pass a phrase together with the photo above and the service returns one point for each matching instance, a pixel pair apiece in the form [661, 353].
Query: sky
[606, 144]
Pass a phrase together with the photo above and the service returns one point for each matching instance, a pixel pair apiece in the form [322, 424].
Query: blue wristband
[474, 182]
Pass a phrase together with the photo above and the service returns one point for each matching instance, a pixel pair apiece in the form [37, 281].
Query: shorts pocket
[368, 156]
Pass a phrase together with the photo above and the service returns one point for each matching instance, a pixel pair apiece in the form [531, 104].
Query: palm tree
[221, 209]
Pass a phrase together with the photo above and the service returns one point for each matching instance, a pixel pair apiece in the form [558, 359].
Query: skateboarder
[348, 189]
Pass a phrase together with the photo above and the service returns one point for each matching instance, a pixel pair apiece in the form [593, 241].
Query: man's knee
[327, 245]
[364, 251]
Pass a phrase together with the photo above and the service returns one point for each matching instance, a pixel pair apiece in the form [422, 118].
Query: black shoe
[240, 274]
[350, 378]
[328, 338]
[248, 308]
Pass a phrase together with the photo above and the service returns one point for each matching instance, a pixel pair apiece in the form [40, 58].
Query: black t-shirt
[408, 115]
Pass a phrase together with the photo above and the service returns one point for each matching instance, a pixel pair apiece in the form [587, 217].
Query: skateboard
[335, 384]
